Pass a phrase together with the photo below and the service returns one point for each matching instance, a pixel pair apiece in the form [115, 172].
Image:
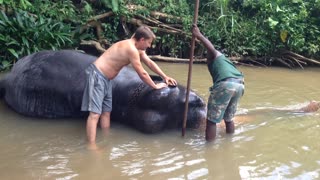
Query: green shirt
[222, 68]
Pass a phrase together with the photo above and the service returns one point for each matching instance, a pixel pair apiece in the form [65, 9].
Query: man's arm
[155, 68]
[212, 52]
[143, 74]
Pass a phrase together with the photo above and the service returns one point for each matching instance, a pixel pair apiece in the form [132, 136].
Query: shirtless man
[97, 97]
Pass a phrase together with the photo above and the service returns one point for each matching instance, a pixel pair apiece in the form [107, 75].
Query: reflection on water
[266, 145]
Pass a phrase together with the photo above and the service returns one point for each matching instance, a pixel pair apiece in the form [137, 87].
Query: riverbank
[284, 58]
[297, 61]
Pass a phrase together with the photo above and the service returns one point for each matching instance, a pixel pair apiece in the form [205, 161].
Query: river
[269, 145]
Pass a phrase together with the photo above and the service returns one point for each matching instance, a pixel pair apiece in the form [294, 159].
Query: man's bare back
[131, 51]
[115, 57]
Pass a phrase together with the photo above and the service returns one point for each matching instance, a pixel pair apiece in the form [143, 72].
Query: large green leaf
[112, 4]
[3, 17]
[13, 52]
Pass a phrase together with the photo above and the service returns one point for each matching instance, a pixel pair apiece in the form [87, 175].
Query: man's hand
[170, 81]
[195, 31]
[161, 85]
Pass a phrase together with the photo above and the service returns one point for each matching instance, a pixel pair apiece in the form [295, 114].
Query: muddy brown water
[269, 145]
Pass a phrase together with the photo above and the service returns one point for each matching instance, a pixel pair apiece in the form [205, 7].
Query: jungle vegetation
[251, 32]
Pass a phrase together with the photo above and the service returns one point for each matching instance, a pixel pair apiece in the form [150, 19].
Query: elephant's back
[51, 65]
[48, 83]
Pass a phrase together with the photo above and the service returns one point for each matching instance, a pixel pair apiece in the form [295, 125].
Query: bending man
[227, 89]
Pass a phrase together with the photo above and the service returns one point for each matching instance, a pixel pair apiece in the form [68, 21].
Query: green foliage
[58, 10]
[87, 9]
[112, 4]
[294, 18]
[23, 34]
[168, 44]
[22, 4]
[262, 27]
[111, 31]
[241, 27]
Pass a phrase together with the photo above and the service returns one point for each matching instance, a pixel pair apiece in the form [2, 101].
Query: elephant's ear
[156, 78]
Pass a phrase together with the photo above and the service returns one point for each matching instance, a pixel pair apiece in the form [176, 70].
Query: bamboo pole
[195, 19]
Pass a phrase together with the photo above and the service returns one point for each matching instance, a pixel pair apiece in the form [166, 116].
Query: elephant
[50, 84]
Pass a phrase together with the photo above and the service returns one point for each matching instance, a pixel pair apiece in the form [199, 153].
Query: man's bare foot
[93, 147]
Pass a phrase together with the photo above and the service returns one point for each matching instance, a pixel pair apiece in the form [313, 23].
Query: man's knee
[94, 116]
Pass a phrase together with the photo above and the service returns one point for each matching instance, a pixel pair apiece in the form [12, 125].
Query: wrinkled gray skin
[49, 84]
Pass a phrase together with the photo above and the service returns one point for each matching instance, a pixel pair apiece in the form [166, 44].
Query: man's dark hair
[143, 32]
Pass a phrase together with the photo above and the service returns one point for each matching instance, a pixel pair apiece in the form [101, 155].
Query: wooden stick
[195, 19]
